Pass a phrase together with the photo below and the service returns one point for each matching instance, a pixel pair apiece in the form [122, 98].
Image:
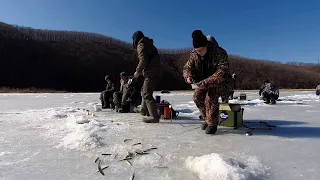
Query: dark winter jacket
[110, 86]
[149, 59]
[269, 88]
[212, 68]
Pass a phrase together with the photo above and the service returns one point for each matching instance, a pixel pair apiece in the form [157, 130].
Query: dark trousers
[148, 103]
[270, 98]
[106, 99]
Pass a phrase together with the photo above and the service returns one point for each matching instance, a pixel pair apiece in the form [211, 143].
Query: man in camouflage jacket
[269, 92]
[208, 67]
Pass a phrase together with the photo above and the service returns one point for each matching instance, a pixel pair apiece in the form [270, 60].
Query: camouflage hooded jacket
[110, 85]
[269, 88]
[212, 69]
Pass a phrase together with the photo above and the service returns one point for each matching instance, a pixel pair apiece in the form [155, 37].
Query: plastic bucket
[167, 113]
[97, 107]
[243, 96]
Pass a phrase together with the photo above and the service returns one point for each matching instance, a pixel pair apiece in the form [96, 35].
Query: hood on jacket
[213, 41]
[146, 40]
[136, 37]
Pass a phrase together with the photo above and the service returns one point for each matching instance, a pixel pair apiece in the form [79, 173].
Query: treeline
[78, 61]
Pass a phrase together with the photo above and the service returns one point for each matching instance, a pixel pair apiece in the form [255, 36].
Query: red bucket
[167, 113]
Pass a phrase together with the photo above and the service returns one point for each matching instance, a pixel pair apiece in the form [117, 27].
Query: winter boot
[152, 109]
[211, 129]
[273, 101]
[150, 120]
[137, 110]
[204, 125]
[116, 108]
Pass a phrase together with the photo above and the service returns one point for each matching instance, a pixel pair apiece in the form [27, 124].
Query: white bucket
[97, 107]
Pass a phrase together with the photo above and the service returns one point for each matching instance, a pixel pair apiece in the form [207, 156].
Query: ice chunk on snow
[59, 114]
[82, 120]
[219, 167]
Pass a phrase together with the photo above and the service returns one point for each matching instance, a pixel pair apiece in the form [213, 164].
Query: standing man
[208, 67]
[106, 95]
[150, 67]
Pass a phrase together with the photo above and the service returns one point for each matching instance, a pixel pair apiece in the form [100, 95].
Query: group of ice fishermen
[207, 68]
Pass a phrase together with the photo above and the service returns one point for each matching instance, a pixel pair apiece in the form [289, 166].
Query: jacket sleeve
[189, 67]
[142, 56]
[223, 68]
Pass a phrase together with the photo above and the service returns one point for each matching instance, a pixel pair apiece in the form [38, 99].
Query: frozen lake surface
[42, 137]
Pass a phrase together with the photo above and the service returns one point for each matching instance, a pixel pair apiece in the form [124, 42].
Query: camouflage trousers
[207, 100]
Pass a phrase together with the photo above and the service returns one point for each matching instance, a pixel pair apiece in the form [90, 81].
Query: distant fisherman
[318, 90]
[208, 66]
[269, 92]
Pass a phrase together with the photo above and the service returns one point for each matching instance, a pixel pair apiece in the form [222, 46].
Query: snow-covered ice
[59, 136]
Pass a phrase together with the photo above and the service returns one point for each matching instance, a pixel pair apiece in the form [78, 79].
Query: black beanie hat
[136, 37]
[199, 39]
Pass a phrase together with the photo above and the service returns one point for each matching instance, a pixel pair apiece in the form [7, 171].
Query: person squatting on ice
[106, 95]
[208, 66]
[150, 67]
[269, 92]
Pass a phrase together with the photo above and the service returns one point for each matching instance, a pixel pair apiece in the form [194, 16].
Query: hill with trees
[78, 62]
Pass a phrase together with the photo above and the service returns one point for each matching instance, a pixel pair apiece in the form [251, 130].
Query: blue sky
[281, 30]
